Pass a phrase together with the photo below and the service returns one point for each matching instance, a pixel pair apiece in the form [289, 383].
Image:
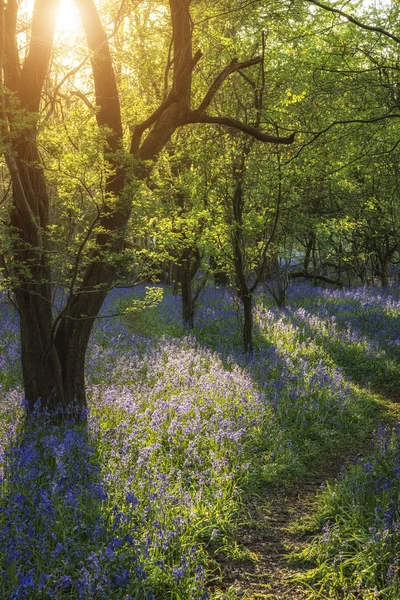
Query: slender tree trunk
[248, 323]
[187, 298]
[309, 246]
[191, 261]
[176, 277]
[385, 257]
[384, 271]
[280, 286]
[239, 263]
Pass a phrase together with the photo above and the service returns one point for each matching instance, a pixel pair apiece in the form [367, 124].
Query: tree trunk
[280, 286]
[53, 364]
[176, 278]
[52, 374]
[220, 278]
[309, 247]
[42, 377]
[384, 272]
[248, 323]
[245, 294]
[187, 298]
[385, 257]
[191, 261]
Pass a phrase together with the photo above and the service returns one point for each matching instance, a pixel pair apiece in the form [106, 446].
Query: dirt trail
[273, 533]
[270, 540]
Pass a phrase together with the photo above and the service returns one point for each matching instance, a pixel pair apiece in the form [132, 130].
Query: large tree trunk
[53, 373]
[53, 349]
[42, 374]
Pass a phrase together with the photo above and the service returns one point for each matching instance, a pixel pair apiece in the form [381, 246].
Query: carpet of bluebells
[143, 501]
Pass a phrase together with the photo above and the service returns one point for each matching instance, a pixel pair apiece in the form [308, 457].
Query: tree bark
[385, 274]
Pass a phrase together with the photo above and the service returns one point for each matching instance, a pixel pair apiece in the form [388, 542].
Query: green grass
[357, 554]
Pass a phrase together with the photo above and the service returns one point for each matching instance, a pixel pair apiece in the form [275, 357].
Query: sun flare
[68, 18]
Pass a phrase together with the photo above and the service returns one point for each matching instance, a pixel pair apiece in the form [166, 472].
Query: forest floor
[280, 525]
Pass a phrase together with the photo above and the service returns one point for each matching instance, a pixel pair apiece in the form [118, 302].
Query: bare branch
[119, 17]
[317, 134]
[74, 277]
[7, 194]
[238, 7]
[84, 99]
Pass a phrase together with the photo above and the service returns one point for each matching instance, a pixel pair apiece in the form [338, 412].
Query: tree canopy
[179, 140]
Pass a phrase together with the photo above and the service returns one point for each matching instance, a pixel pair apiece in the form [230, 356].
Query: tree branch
[138, 130]
[35, 66]
[306, 275]
[12, 68]
[317, 134]
[374, 28]
[233, 66]
[195, 117]
[172, 97]
[59, 86]
[84, 99]
[107, 99]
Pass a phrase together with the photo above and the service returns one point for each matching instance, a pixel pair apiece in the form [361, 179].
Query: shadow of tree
[315, 410]
[57, 536]
[364, 356]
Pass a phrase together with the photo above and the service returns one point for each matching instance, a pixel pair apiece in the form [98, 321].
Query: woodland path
[278, 527]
